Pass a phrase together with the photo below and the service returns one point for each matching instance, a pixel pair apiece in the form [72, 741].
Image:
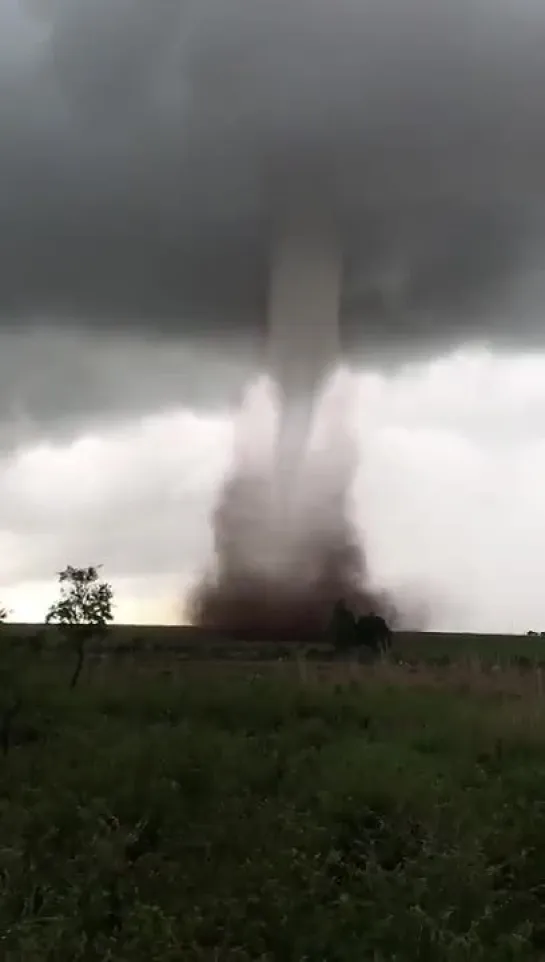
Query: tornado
[264, 181]
[303, 334]
[285, 546]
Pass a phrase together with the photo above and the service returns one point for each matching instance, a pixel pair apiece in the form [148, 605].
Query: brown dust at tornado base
[286, 548]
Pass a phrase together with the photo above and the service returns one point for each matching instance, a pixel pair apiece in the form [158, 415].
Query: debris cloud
[279, 566]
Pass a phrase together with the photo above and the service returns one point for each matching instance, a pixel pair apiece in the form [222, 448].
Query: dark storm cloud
[54, 381]
[144, 146]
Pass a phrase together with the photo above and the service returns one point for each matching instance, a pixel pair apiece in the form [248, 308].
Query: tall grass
[199, 813]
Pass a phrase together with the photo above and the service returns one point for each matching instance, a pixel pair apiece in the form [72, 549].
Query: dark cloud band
[144, 149]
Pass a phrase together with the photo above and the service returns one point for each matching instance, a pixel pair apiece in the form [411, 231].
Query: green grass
[498, 649]
[431, 647]
[223, 818]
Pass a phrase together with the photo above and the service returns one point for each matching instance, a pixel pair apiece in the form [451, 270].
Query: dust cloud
[285, 546]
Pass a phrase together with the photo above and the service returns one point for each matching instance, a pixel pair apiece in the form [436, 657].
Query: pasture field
[254, 811]
[417, 647]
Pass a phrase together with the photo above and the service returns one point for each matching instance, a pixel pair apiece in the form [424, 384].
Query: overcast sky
[449, 492]
[143, 147]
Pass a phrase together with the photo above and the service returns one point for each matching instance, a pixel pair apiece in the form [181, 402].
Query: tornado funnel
[303, 342]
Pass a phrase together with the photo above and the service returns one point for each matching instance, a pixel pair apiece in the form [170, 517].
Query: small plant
[83, 611]
[3, 614]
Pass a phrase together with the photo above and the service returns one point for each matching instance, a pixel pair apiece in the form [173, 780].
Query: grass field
[179, 809]
[417, 647]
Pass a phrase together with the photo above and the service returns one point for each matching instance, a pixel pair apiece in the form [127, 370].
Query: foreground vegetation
[441, 648]
[199, 812]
